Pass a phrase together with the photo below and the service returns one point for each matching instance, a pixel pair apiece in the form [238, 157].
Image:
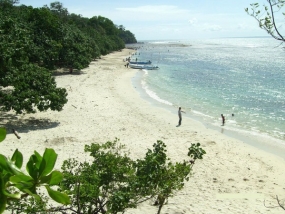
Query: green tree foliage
[29, 204]
[58, 9]
[24, 84]
[35, 41]
[127, 36]
[33, 87]
[267, 17]
[113, 182]
[76, 51]
[104, 184]
[47, 33]
[8, 2]
[157, 177]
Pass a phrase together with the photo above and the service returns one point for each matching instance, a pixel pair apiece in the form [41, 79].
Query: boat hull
[140, 63]
[147, 67]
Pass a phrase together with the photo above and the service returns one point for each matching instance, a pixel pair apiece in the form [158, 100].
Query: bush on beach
[111, 183]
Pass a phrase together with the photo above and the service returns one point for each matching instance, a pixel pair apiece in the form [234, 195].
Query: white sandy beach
[102, 104]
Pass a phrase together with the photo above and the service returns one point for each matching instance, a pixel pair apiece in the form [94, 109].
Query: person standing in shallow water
[223, 119]
[180, 116]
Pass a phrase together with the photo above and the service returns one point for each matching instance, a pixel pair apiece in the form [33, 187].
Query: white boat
[140, 66]
[140, 62]
[151, 67]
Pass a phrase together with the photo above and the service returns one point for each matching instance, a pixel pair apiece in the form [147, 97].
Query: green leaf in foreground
[58, 196]
[3, 203]
[48, 162]
[13, 196]
[53, 178]
[3, 133]
[3, 197]
[3, 162]
[21, 178]
[17, 158]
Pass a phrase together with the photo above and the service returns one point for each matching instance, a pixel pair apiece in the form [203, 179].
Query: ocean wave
[151, 93]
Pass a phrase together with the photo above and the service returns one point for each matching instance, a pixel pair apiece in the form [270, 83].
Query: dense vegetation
[35, 41]
[110, 183]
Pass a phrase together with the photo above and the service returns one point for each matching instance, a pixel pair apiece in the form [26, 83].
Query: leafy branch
[266, 17]
[15, 184]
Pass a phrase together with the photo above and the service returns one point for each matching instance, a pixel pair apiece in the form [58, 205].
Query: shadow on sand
[11, 121]
[62, 72]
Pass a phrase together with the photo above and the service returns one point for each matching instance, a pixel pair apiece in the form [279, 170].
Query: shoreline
[102, 104]
[259, 140]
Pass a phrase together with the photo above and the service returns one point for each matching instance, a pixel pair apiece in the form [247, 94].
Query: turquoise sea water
[240, 76]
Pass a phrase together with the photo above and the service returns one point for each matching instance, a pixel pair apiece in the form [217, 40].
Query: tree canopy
[36, 41]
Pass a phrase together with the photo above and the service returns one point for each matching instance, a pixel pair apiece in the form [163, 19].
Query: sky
[170, 19]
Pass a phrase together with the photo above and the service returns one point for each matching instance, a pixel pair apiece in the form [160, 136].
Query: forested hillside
[36, 41]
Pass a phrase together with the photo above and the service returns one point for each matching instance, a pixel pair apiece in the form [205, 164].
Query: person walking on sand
[180, 116]
[223, 119]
